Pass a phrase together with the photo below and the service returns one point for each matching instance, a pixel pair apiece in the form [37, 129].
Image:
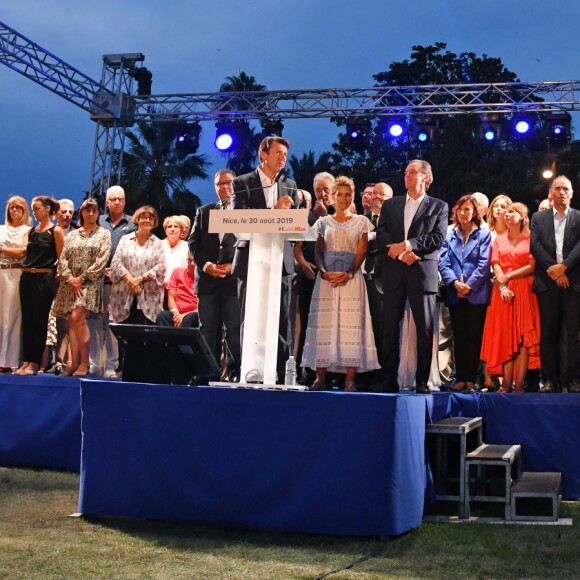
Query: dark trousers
[559, 311]
[467, 321]
[37, 291]
[423, 308]
[217, 310]
[376, 310]
[165, 318]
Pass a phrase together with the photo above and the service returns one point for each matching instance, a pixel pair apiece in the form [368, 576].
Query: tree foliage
[462, 161]
[306, 167]
[243, 158]
[156, 173]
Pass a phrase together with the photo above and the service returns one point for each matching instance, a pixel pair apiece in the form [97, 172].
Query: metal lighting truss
[369, 102]
[113, 106]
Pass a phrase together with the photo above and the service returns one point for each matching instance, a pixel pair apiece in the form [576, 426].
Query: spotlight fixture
[522, 125]
[490, 128]
[271, 127]
[393, 128]
[557, 126]
[423, 129]
[229, 134]
[144, 78]
[187, 137]
[357, 131]
[396, 129]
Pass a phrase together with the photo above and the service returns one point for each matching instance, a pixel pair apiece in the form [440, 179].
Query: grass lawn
[39, 540]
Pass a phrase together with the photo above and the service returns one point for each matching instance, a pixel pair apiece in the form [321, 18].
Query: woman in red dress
[511, 336]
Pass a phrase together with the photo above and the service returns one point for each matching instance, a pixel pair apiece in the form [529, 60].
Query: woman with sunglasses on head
[44, 245]
[12, 251]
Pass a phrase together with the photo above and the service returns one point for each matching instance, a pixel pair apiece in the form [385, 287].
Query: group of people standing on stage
[376, 297]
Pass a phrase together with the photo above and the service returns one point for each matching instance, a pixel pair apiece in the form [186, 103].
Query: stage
[328, 462]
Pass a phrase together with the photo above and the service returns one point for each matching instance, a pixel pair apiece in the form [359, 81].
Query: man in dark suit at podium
[411, 230]
[268, 187]
[216, 287]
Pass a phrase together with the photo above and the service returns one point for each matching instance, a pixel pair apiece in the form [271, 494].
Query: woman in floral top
[81, 271]
[137, 272]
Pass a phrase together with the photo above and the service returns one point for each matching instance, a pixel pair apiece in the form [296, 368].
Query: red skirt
[510, 326]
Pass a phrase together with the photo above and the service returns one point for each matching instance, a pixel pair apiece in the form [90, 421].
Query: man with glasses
[410, 231]
[216, 288]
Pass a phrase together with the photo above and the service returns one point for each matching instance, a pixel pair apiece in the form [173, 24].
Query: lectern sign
[258, 221]
[267, 231]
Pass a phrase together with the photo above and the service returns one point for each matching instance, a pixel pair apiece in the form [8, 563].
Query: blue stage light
[522, 127]
[357, 131]
[395, 129]
[489, 135]
[422, 136]
[187, 137]
[558, 127]
[229, 134]
[224, 142]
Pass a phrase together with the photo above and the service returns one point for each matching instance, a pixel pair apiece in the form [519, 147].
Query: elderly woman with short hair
[176, 250]
[137, 272]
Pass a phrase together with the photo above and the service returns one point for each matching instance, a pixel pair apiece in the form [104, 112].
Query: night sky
[191, 46]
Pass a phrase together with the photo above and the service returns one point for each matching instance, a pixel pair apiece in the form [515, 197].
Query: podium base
[259, 386]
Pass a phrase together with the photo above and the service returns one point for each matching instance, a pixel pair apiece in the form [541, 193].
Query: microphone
[281, 173]
[222, 203]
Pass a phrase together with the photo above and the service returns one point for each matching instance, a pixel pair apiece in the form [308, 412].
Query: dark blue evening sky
[191, 46]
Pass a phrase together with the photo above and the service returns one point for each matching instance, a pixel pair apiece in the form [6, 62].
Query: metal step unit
[536, 497]
[449, 441]
[496, 467]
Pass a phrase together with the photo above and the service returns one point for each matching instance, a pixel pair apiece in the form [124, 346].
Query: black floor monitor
[165, 355]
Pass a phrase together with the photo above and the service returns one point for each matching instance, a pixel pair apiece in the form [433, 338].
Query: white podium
[267, 230]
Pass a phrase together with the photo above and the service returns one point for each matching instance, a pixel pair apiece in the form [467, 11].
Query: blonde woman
[511, 335]
[339, 336]
[12, 251]
[175, 248]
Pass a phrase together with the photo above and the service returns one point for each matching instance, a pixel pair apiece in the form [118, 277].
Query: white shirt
[559, 229]
[411, 207]
[270, 189]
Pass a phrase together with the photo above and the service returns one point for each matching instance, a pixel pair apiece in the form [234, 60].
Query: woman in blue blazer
[464, 264]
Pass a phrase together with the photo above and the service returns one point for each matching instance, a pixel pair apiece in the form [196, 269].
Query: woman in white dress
[339, 336]
[12, 251]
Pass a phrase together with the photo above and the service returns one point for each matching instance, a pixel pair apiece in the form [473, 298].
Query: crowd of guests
[399, 296]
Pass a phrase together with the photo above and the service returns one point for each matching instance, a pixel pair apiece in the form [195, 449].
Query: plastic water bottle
[290, 378]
